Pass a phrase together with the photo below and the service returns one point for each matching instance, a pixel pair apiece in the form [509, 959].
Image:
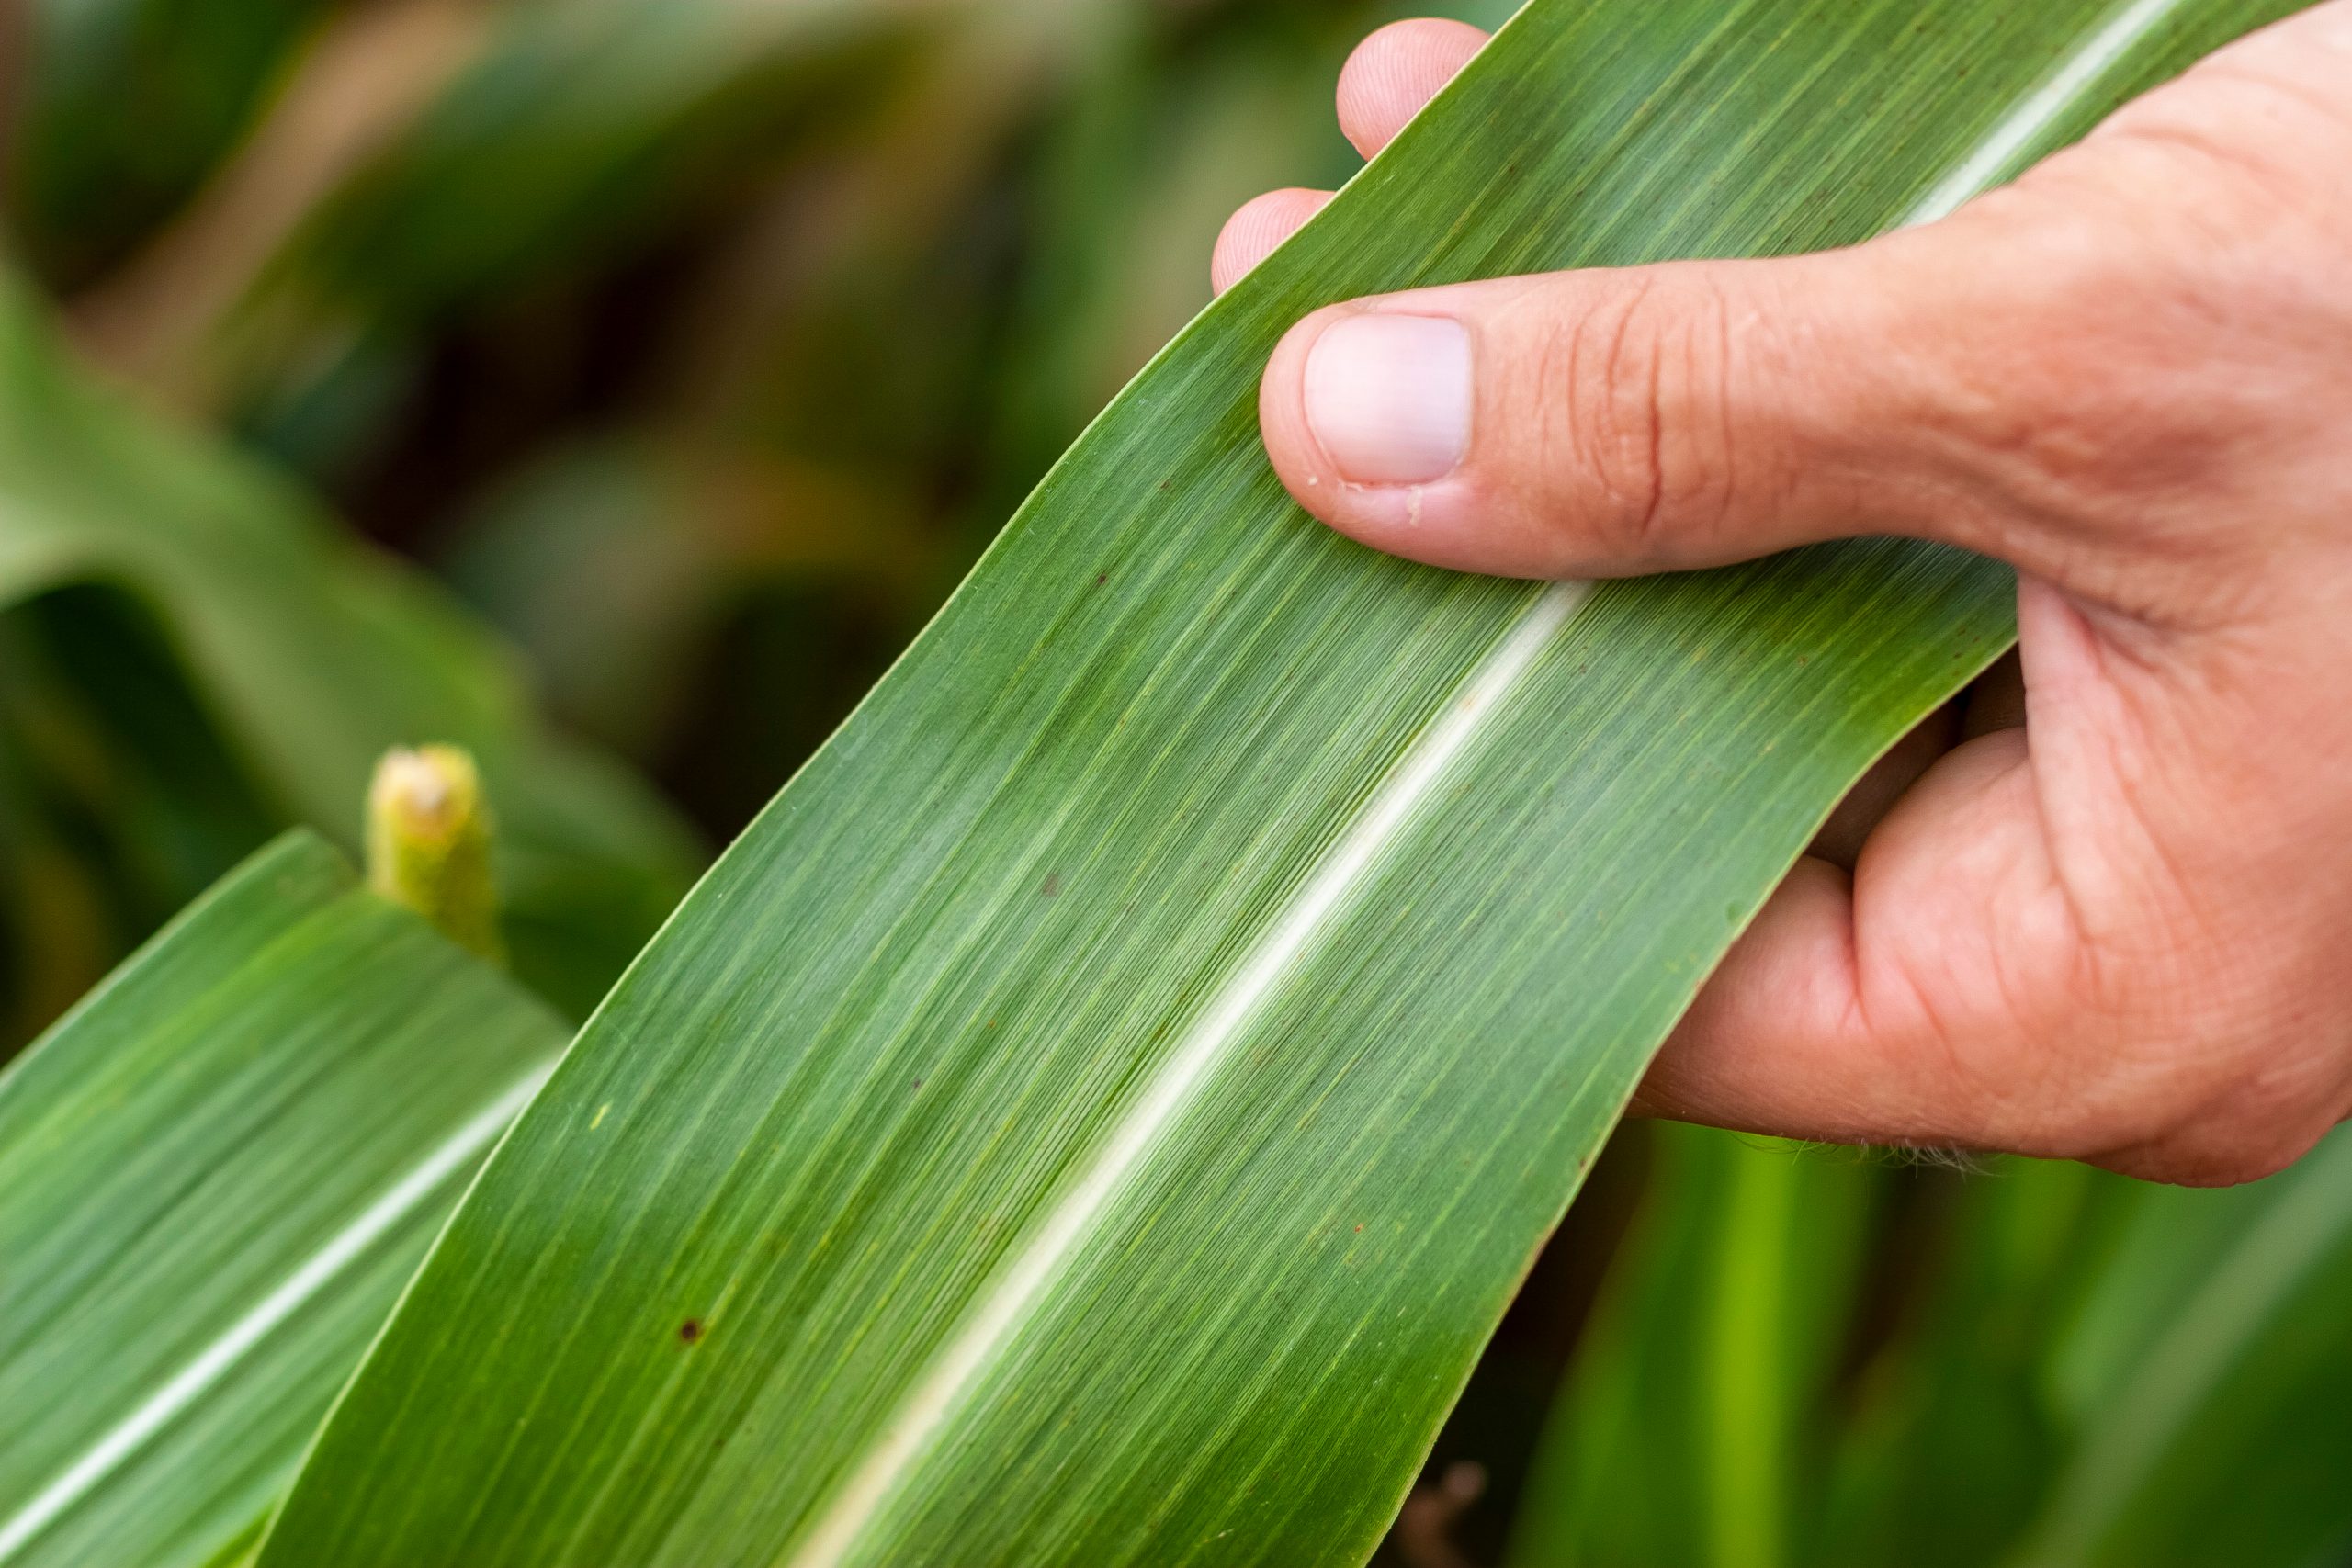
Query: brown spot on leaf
[690, 1331]
[1053, 884]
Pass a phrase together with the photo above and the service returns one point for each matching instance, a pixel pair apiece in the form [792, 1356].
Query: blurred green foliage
[699, 345]
[127, 109]
[696, 348]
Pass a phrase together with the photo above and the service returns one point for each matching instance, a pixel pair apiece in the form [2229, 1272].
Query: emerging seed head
[428, 843]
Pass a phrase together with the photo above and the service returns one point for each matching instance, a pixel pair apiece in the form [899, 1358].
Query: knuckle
[2201, 1104]
[2156, 323]
[1633, 386]
[2162, 294]
[2054, 386]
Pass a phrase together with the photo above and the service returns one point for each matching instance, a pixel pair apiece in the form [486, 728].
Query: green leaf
[567, 135]
[1950, 1441]
[127, 105]
[216, 1174]
[314, 656]
[1687, 1432]
[1099, 1111]
[2212, 1377]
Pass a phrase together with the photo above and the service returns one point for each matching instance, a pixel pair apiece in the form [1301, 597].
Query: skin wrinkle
[1871, 978]
[1931, 1023]
[2036, 454]
[1646, 491]
[2087, 742]
[2117, 934]
[2084, 977]
[1559, 370]
[1715, 384]
[2196, 1095]
[1965, 411]
[2191, 142]
[2049, 816]
[1726, 431]
[1654, 427]
[2324, 112]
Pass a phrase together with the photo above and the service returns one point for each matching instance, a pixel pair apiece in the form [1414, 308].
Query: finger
[1841, 839]
[1251, 234]
[1396, 72]
[1995, 701]
[1955, 992]
[1880, 1008]
[1606, 423]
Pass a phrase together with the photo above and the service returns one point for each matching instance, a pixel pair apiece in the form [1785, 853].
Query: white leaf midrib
[202, 1372]
[1172, 1086]
[920, 1418]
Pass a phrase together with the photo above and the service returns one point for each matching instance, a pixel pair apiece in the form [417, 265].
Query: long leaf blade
[2217, 1378]
[1685, 1433]
[215, 1176]
[1097, 1112]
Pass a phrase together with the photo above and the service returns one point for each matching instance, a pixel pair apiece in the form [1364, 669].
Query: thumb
[1605, 422]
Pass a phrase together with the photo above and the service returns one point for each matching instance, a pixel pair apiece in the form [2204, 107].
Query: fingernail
[1388, 397]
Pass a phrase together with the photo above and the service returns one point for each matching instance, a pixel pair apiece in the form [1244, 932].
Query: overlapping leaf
[216, 1174]
[1097, 1112]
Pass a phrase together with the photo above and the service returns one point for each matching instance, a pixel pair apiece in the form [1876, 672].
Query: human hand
[2123, 932]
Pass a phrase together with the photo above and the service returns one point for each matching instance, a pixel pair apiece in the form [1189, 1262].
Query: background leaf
[215, 1176]
[1688, 1429]
[1947, 1440]
[2212, 1379]
[313, 656]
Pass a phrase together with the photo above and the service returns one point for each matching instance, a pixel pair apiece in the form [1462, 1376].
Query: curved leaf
[1097, 1112]
[215, 1176]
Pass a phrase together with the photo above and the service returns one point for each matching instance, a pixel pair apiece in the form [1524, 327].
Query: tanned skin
[2120, 930]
